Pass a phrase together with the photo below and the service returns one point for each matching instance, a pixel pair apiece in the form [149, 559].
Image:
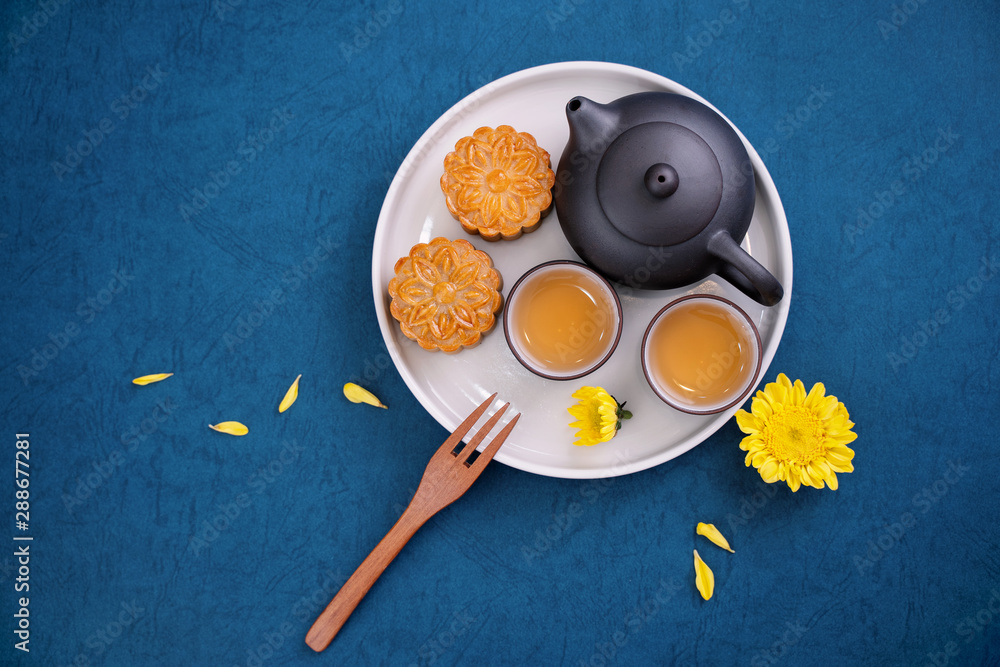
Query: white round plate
[450, 386]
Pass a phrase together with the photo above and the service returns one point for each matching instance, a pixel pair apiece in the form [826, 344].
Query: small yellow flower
[796, 437]
[598, 416]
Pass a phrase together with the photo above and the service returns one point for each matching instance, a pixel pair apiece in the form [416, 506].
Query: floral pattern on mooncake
[498, 183]
[445, 294]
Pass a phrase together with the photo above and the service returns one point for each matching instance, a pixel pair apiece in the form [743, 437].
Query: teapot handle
[743, 271]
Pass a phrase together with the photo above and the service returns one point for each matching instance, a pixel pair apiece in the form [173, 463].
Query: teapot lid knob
[662, 180]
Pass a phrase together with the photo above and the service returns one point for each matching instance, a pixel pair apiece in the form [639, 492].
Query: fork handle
[346, 600]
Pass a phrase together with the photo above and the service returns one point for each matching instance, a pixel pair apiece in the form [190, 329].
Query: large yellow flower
[598, 416]
[797, 438]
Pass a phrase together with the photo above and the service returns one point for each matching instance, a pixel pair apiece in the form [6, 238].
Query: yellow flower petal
[149, 379]
[805, 476]
[714, 536]
[798, 393]
[761, 407]
[816, 394]
[835, 456]
[232, 428]
[793, 481]
[831, 478]
[290, 395]
[827, 407]
[356, 394]
[747, 422]
[751, 443]
[846, 438]
[703, 577]
[768, 470]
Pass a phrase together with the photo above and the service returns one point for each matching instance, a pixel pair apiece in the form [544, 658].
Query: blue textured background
[126, 568]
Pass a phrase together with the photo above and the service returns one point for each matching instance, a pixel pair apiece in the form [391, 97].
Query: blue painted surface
[158, 541]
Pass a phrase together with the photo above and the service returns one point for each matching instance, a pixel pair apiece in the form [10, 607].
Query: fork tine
[491, 449]
[464, 427]
[483, 432]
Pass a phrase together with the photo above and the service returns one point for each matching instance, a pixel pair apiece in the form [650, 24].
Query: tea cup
[701, 354]
[562, 320]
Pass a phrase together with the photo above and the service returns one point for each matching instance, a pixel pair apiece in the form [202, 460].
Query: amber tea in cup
[701, 354]
[562, 320]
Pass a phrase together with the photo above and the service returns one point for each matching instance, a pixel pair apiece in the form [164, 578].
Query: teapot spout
[592, 126]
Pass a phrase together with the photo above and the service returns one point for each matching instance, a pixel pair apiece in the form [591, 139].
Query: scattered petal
[356, 394]
[714, 536]
[232, 428]
[149, 379]
[290, 395]
[703, 577]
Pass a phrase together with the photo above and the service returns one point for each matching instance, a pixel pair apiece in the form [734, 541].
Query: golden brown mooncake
[498, 183]
[445, 294]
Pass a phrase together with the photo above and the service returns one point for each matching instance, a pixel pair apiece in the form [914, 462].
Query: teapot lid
[656, 173]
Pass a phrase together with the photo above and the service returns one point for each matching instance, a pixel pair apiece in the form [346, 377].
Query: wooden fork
[447, 477]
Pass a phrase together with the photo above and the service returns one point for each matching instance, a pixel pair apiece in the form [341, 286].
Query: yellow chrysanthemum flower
[797, 438]
[598, 416]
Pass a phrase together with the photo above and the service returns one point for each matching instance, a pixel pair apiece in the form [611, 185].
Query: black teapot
[655, 190]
